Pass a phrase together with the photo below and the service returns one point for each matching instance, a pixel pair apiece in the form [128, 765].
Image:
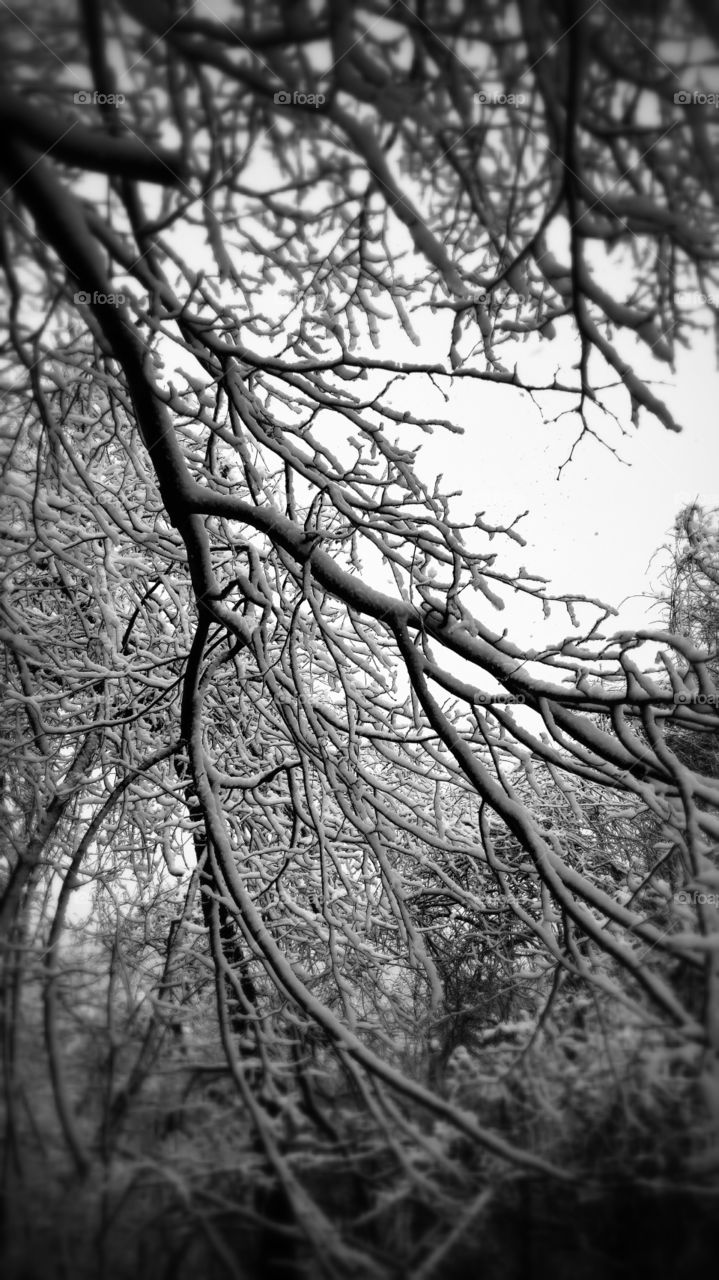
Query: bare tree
[689, 604]
[249, 650]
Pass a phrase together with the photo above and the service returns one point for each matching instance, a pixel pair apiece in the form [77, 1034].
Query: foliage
[329, 908]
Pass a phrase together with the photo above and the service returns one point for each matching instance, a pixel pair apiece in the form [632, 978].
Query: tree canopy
[304, 848]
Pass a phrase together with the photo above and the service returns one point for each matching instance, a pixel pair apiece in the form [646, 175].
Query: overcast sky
[595, 528]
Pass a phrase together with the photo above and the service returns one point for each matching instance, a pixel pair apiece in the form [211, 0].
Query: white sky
[595, 528]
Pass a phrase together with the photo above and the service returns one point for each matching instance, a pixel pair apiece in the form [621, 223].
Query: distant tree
[690, 601]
